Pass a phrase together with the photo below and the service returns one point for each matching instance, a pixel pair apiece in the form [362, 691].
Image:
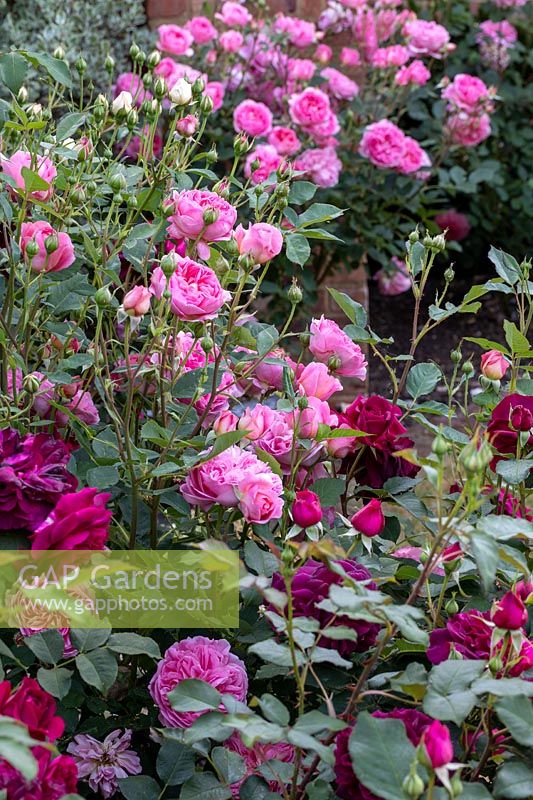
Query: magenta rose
[215, 480]
[468, 131]
[208, 660]
[268, 159]
[455, 225]
[30, 704]
[438, 745]
[33, 477]
[306, 509]
[132, 83]
[383, 143]
[328, 341]
[56, 777]
[510, 613]
[502, 433]
[309, 108]
[80, 521]
[12, 167]
[255, 757]
[61, 258]
[261, 241]
[252, 118]
[190, 209]
[175, 39]
[201, 29]
[414, 159]
[466, 93]
[231, 41]
[196, 293]
[369, 520]
[310, 585]
[348, 785]
[394, 56]
[301, 33]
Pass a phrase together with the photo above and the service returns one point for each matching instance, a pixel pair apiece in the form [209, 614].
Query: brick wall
[161, 11]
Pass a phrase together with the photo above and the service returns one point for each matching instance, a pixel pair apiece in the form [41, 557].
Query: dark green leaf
[381, 754]
[98, 668]
[175, 763]
[297, 249]
[13, 70]
[55, 681]
[133, 644]
[194, 695]
[139, 787]
[422, 379]
[48, 646]
[514, 780]
[516, 713]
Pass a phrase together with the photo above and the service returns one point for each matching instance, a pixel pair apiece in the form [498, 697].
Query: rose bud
[137, 301]
[524, 590]
[306, 509]
[437, 743]
[225, 422]
[494, 365]
[187, 126]
[509, 613]
[122, 103]
[369, 520]
[452, 553]
[181, 93]
[521, 419]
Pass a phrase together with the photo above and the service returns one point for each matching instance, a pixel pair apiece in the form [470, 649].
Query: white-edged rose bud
[123, 102]
[181, 93]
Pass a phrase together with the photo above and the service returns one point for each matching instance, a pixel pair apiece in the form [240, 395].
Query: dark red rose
[378, 417]
[31, 705]
[502, 433]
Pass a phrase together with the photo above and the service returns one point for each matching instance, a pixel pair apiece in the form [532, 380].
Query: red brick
[168, 9]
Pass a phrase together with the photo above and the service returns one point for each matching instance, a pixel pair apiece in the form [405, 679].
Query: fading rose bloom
[321, 165]
[467, 93]
[261, 240]
[196, 293]
[175, 40]
[309, 108]
[494, 365]
[234, 15]
[455, 225]
[315, 380]
[350, 57]
[102, 764]
[231, 41]
[284, 140]
[61, 258]
[252, 118]
[415, 73]
[395, 280]
[269, 161]
[201, 29]
[12, 167]
[340, 86]
[216, 91]
[208, 660]
[467, 131]
[427, 38]
[329, 341]
[383, 143]
[80, 521]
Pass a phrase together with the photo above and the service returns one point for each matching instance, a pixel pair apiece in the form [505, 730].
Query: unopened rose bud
[306, 509]
[468, 369]
[452, 607]
[34, 110]
[81, 65]
[439, 242]
[449, 275]
[456, 356]
[241, 144]
[227, 421]
[103, 297]
[140, 57]
[439, 446]
[414, 237]
[160, 88]
[334, 363]
[51, 243]
[437, 744]
[153, 59]
[494, 365]
[22, 95]
[69, 389]
[187, 126]
[134, 50]
[109, 64]
[369, 520]
[457, 785]
[303, 403]
[521, 418]
[137, 301]
[495, 664]
[59, 53]
[470, 459]
[207, 344]
[198, 87]
[305, 339]
[206, 104]
[32, 248]
[31, 383]
[210, 216]
[413, 786]
[169, 262]
[181, 93]
[78, 196]
[122, 103]
[295, 294]
[509, 613]
[132, 118]
[117, 182]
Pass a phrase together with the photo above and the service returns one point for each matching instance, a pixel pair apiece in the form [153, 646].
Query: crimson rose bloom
[56, 777]
[306, 509]
[32, 706]
[310, 585]
[501, 435]
[348, 786]
[380, 419]
[33, 476]
[80, 521]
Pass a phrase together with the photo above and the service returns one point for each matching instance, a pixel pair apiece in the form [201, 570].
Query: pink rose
[300, 69]
[137, 301]
[61, 258]
[231, 41]
[225, 422]
[269, 161]
[216, 91]
[259, 498]
[437, 742]
[339, 84]
[196, 293]
[315, 380]
[175, 39]
[310, 107]
[467, 131]
[323, 54]
[455, 225]
[383, 143]
[300, 32]
[308, 421]
[502, 33]
[80, 521]
[252, 118]
[369, 520]
[268, 373]
[257, 420]
[321, 165]
[415, 73]
[168, 70]
[201, 29]
[494, 365]
[306, 509]
[284, 140]
[215, 480]
[329, 341]
[414, 158]
[234, 15]
[12, 167]
[427, 38]
[394, 280]
[187, 126]
[191, 206]
[262, 241]
[129, 82]
[350, 57]
[466, 93]
[394, 56]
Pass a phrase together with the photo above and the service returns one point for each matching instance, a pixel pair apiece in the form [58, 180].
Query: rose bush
[384, 648]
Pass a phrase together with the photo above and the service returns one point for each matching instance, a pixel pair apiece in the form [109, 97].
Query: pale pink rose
[187, 126]
[259, 498]
[340, 446]
[315, 380]
[323, 54]
[329, 341]
[196, 293]
[467, 93]
[339, 84]
[468, 131]
[395, 280]
[257, 420]
[308, 421]
[494, 365]
[394, 56]
[455, 225]
[252, 118]
[414, 157]
[262, 241]
[284, 140]
[39, 232]
[350, 57]
[427, 38]
[414, 73]
[277, 440]
[269, 161]
[175, 39]
[321, 165]
[83, 407]
[216, 91]
[231, 41]
[268, 373]
[383, 143]
[201, 29]
[137, 301]
[215, 480]
[12, 167]
[300, 69]
[187, 219]
[129, 82]
[225, 422]
[300, 32]
[310, 107]
[234, 15]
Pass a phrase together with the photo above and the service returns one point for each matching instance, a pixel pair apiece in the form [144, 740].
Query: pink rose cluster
[495, 40]
[469, 105]
[388, 147]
